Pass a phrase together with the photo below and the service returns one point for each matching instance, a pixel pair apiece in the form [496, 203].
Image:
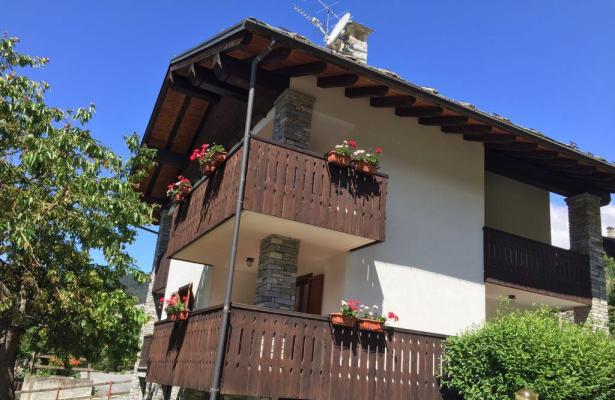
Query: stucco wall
[182, 273]
[430, 269]
[517, 208]
[334, 270]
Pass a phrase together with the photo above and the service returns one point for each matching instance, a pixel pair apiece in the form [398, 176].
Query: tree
[63, 195]
[531, 349]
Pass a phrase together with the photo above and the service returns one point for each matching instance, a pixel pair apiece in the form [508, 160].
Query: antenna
[339, 27]
[324, 27]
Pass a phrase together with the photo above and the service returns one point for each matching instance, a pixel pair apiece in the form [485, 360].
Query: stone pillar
[140, 389]
[277, 272]
[292, 121]
[586, 238]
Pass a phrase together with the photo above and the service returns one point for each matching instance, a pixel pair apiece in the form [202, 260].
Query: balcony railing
[530, 265]
[272, 353]
[289, 183]
[145, 348]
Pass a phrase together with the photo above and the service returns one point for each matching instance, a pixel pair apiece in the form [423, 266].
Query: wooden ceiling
[203, 99]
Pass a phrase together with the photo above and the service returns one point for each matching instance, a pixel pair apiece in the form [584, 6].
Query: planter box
[364, 167]
[338, 159]
[179, 316]
[209, 167]
[371, 325]
[219, 158]
[339, 319]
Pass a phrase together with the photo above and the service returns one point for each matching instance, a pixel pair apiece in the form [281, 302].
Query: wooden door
[308, 294]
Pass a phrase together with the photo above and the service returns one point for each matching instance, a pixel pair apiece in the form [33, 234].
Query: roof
[511, 149]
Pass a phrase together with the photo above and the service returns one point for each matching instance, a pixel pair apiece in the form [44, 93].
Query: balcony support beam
[586, 238]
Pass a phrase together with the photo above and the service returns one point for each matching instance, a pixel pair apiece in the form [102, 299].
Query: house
[456, 217]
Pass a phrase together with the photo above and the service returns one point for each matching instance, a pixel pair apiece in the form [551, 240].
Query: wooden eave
[510, 150]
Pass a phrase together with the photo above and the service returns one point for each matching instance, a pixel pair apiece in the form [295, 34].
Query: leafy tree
[62, 196]
[557, 359]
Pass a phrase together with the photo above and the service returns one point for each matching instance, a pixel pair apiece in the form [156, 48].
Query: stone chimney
[352, 42]
[610, 232]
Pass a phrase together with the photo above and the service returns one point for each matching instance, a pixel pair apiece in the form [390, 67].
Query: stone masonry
[586, 238]
[277, 272]
[292, 120]
[140, 390]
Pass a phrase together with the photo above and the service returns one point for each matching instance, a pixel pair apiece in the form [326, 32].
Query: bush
[530, 349]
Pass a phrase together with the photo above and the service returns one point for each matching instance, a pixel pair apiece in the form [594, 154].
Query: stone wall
[292, 120]
[586, 238]
[277, 272]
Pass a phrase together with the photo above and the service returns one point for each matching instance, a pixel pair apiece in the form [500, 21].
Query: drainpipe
[226, 310]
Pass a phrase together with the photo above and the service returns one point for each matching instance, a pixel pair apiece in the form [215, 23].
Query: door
[308, 294]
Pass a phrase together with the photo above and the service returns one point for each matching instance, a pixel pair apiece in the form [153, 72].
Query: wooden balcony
[145, 348]
[290, 355]
[529, 265]
[289, 183]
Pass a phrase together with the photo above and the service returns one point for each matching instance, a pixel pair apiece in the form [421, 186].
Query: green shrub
[533, 349]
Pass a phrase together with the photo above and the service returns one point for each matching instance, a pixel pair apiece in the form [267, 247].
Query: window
[185, 295]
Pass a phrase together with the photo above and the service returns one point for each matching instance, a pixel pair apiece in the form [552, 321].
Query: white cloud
[559, 223]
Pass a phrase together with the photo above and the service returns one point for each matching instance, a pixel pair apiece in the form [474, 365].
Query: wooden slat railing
[145, 348]
[273, 353]
[299, 185]
[530, 265]
[289, 183]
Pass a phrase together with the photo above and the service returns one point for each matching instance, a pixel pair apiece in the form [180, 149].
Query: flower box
[178, 316]
[371, 325]
[207, 168]
[338, 159]
[364, 167]
[339, 319]
[219, 157]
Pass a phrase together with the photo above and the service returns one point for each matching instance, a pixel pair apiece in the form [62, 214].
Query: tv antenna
[329, 35]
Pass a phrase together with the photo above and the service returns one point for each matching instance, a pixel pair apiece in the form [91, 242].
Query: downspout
[226, 310]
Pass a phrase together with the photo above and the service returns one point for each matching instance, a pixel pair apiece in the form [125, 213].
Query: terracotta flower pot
[182, 315]
[364, 167]
[207, 168]
[172, 316]
[339, 319]
[178, 198]
[338, 159]
[218, 158]
[371, 325]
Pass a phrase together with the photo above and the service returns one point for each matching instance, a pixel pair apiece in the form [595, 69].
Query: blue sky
[544, 64]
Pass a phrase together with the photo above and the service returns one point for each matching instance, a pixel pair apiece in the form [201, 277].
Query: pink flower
[352, 143]
[393, 316]
[192, 157]
[378, 150]
[161, 299]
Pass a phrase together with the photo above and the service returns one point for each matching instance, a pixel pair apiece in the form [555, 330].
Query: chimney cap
[610, 231]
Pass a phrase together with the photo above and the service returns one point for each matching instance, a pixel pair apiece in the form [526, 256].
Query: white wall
[430, 268]
[517, 208]
[182, 273]
[334, 270]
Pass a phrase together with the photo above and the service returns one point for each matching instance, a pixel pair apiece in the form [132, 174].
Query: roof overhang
[203, 99]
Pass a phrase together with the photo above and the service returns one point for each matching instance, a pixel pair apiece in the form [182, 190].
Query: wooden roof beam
[205, 79]
[418, 111]
[514, 146]
[467, 129]
[491, 138]
[172, 158]
[343, 80]
[313, 68]
[183, 85]
[542, 177]
[366, 91]
[443, 120]
[237, 73]
[392, 101]
[538, 155]
[276, 55]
